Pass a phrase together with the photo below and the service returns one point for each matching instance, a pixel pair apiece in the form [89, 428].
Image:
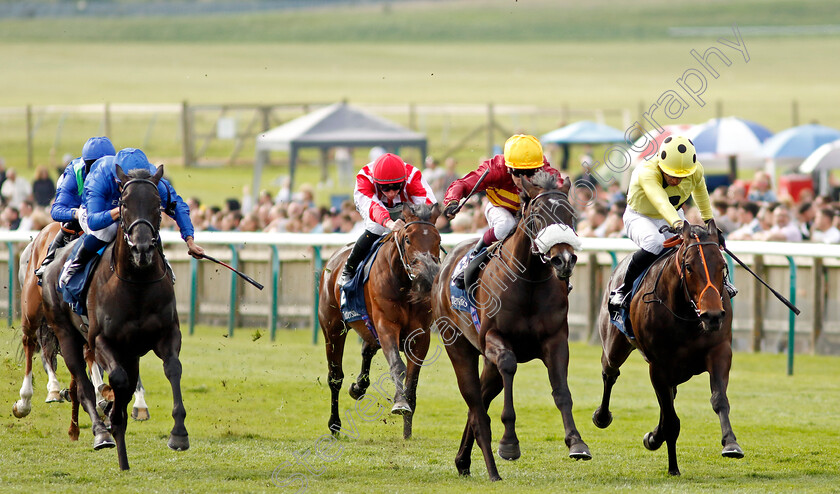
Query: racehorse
[397, 301]
[683, 327]
[131, 310]
[36, 333]
[521, 300]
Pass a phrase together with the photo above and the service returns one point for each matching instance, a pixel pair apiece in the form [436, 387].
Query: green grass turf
[253, 405]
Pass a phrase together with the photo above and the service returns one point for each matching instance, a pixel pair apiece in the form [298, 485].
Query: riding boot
[357, 255]
[730, 288]
[640, 261]
[58, 242]
[479, 247]
[76, 263]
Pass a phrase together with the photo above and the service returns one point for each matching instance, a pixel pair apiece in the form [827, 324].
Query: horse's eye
[688, 269]
[407, 241]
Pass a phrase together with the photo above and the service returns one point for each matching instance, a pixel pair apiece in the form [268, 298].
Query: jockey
[68, 197]
[381, 189]
[523, 157]
[658, 189]
[100, 211]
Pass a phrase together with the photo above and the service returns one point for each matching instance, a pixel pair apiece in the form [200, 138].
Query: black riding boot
[640, 260]
[459, 278]
[74, 265]
[357, 255]
[58, 242]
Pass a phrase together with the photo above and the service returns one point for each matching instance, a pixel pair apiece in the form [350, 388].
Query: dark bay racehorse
[522, 302]
[683, 327]
[131, 307]
[397, 300]
[36, 333]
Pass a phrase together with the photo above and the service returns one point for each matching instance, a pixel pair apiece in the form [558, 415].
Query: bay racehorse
[131, 310]
[37, 334]
[683, 327]
[397, 301]
[521, 300]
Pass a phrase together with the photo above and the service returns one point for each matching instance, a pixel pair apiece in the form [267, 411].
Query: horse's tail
[421, 287]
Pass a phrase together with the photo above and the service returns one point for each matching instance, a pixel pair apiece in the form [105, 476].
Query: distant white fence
[288, 266]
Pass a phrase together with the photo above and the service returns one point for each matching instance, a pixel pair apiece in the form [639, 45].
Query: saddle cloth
[458, 298]
[621, 318]
[75, 292]
[352, 303]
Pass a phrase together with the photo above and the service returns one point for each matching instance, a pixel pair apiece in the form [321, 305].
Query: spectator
[15, 189]
[805, 218]
[10, 219]
[26, 210]
[311, 221]
[736, 193]
[449, 176]
[748, 218]
[823, 230]
[249, 223]
[434, 175]
[761, 189]
[784, 229]
[595, 223]
[723, 219]
[2, 171]
[43, 187]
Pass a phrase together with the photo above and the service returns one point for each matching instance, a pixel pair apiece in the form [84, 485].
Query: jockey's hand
[194, 249]
[676, 229]
[115, 213]
[450, 210]
[395, 225]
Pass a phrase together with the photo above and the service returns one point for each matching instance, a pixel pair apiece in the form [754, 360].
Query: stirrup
[458, 281]
[619, 300]
[344, 278]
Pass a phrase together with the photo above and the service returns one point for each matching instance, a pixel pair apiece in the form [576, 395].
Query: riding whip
[475, 187]
[241, 274]
[777, 294]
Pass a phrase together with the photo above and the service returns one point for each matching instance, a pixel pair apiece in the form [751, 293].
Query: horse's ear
[528, 187]
[435, 213]
[121, 176]
[407, 212]
[158, 174]
[566, 186]
[686, 232]
[711, 227]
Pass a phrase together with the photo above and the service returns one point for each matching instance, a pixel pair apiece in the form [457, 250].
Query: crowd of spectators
[743, 211]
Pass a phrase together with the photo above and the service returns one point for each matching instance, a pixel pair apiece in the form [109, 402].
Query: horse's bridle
[681, 270]
[401, 247]
[139, 221]
[534, 250]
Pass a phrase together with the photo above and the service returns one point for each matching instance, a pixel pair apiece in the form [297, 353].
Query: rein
[401, 247]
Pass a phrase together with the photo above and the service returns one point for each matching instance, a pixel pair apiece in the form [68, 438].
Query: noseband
[138, 221]
[401, 247]
[681, 270]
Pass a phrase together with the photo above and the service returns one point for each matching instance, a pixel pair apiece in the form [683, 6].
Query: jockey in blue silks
[100, 211]
[68, 196]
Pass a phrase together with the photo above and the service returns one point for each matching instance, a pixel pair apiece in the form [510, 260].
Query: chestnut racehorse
[397, 299]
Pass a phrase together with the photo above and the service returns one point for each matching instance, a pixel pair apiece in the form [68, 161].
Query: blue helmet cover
[97, 147]
[132, 159]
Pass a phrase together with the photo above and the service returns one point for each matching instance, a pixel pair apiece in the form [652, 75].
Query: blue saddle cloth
[75, 292]
[621, 318]
[458, 298]
[352, 304]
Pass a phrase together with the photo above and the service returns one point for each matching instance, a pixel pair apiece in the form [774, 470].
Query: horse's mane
[544, 180]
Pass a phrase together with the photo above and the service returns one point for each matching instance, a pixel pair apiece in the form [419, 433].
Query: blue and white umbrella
[583, 132]
[799, 142]
[729, 136]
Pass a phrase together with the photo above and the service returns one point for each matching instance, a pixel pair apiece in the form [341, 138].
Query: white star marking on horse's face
[425, 231]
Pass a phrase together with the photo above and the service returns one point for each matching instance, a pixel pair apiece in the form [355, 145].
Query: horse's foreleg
[415, 353]
[23, 406]
[388, 338]
[718, 364]
[557, 362]
[615, 351]
[496, 350]
[359, 388]
[669, 424]
[465, 362]
[122, 377]
[140, 411]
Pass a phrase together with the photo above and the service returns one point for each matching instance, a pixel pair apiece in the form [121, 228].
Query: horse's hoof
[495, 478]
[650, 444]
[54, 397]
[21, 411]
[103, 440]
[599, 421]
[107, 392]
[732, 451]
[401, 408]
[674, 473]
[65, 394]
[356, 392]
[509, 451]
[464, 472]
[140, 414]
[580, 452]
[179, 443]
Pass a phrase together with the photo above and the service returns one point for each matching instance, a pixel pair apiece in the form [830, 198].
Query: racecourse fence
[289, 265]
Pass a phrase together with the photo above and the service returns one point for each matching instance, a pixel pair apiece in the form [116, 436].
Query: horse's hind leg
[73, 431]
[359, 388]
[719, 364]
[334, 337]
[557, 363]
[614, 353]
[22, 407]
[140, 411]
[53, 385]
[668, 429]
